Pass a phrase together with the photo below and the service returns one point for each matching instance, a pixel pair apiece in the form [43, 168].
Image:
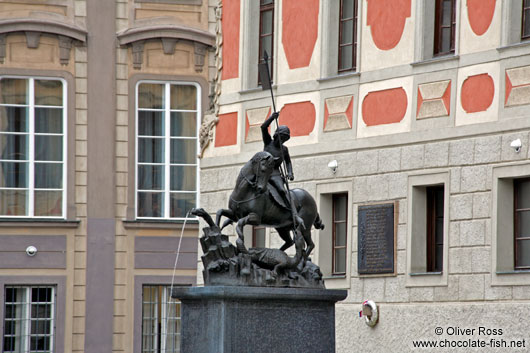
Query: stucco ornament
[211, 117]
[206, 131]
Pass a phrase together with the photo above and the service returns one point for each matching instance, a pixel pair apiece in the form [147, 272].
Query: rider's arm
[265, 128]
[287, 159]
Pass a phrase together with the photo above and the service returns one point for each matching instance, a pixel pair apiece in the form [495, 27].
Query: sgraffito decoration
[480, 14]
[299, 31]
[387, 21]
[384, 107]
[434, 99]
[477, 93]
[299, 116]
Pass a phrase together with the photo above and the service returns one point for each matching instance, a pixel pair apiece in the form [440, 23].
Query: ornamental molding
[169, 35]
[33, 28]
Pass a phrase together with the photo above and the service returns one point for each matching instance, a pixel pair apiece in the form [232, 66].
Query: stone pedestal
[224, 319]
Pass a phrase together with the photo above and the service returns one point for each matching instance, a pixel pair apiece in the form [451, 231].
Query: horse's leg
[228, 213]
[309, 243]
[252, 219]
[285, 234]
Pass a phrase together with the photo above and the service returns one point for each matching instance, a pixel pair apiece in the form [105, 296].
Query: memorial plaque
[376, 245]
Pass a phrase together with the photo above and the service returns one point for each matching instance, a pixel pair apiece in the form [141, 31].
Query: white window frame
[424, 31]
[31, 152]
[167, 138]
[27, 303]
[417, 275]
[330, 44]
[166, 302]
[250, 26]
[324, 240]
[503, 272]
[512, 22]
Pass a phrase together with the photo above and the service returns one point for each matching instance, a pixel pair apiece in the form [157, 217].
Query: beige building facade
[422, 105]
[100, 109]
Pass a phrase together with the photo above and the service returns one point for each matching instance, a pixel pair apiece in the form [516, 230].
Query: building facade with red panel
[422, 104]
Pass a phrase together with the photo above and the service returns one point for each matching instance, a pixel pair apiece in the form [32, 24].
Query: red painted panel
[384, 107]
[230, 24]
[477, 93]
[326, 115]
[480, 13]
[419, 103]
[387, 21]
[300, 117]
[247, 126]
[447, 98]
[509, 87]
[349, 112]
[226, 130]
[299, 31]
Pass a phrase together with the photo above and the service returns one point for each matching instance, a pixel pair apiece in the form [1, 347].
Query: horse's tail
[318, 222]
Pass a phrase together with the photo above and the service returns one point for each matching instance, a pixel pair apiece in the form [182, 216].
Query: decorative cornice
[132, 35]
[33, 28]
[169, 35]
[43, 26]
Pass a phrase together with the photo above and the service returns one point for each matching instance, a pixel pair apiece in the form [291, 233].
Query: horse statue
[251, 203]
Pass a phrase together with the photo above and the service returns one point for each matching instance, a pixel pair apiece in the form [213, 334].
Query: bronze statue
[281, 155]
[251, 203]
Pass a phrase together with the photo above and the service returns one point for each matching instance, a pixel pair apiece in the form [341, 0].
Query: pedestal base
[219, 319]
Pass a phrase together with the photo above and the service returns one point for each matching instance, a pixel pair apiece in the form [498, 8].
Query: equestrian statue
[260, 196]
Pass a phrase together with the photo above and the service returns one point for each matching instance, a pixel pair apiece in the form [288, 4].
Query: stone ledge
[258, 293]
[45, 26]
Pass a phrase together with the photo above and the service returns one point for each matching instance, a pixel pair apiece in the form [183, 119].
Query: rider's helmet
[283, 132]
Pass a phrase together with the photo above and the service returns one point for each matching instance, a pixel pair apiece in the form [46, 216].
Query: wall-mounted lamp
[333, 165]
[516, 145]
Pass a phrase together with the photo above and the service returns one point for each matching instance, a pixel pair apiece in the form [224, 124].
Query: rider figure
[276, 148]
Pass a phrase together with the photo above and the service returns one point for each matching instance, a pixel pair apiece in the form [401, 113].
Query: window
[521, 196]
[525, 20]
[167, 116]
[32, 147]
[333, 252]
[258, 236]
[29, 319]
[348, 35]
[444, 27]
[160, 320]
[427, 230]
[435, 223]
[340, 226]
[510, 264]
[266, 33]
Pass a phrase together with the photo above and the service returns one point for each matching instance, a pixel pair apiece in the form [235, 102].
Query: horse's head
[263, 164]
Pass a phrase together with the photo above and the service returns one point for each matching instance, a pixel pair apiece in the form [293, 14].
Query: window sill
[523, 44]
[514, 272]
[437, 59]
[340, 76]
[416, 274]
[38, 223]
[256, 90]
[160, 224]
[511, 278]
[334, 277]
[515, 49]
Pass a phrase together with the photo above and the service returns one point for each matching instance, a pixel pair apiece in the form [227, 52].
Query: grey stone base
[219, 319]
